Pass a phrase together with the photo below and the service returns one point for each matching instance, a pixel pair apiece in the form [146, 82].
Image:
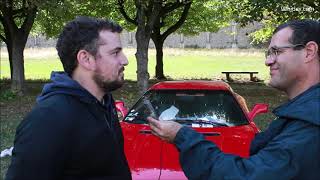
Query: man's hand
[166, 130]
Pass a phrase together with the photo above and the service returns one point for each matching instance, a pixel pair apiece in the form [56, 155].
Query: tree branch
[153, 16]
[124, 13]
[179, 23]
[5, 29]
[10, 6]
[3, 39]
[28, 22]
[169, 7]
[5, 7]
[150, 7]
[1, 19]
[2, 5]
[18, 11]
[7, 19]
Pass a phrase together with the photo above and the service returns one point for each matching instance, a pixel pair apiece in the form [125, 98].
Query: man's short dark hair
[303, 31]
[81, 33]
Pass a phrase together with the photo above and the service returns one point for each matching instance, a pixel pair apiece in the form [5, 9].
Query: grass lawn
[179, 64]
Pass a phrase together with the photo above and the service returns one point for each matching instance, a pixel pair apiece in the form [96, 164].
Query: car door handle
[145, 131]
[211, 134]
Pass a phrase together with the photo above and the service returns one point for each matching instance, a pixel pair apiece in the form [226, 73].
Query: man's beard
[106, 85]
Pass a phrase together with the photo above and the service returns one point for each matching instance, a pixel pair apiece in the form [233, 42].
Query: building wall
[229, 37]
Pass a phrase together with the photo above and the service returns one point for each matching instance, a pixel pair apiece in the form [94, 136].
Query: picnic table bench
[239, 72]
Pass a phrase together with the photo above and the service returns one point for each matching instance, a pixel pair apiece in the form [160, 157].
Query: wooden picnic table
[239, 72]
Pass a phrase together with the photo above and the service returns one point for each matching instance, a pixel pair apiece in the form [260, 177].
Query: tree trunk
[147, 12]
[145, 21]
[142, 39]
[159, 38]
[159, 66]
[9, 49]
[17, 78]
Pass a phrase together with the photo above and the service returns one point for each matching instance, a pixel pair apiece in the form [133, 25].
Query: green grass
[178, 64]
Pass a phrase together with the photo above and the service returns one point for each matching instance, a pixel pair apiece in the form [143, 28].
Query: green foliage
[279, 11]
[206, 16]
[53, 16]
[263, 34]
[271, 13]
[130, 7]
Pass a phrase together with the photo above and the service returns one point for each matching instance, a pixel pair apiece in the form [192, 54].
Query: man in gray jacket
[290, 147]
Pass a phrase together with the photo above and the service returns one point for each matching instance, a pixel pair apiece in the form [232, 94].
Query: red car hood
[149, 157]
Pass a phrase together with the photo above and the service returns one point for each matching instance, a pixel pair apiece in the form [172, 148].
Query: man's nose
[269, 60]
[124, 60]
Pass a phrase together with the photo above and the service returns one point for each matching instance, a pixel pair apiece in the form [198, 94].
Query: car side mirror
[258, 109]
[121, 108]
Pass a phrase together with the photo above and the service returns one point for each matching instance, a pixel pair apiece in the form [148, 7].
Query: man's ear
[86, 60]
[312, 49]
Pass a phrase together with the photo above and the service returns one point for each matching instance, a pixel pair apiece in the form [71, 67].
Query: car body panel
[207, 85]
[143, 151]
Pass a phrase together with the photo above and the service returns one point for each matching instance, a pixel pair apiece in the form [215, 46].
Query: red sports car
[210, 107]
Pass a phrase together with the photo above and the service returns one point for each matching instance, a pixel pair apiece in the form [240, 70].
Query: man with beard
[290, 147]
[73, 131]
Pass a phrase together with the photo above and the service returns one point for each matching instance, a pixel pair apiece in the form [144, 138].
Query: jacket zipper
[106, 119]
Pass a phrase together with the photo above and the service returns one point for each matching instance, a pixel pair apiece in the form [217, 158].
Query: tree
[50, 21]
[159, 37]
[199, 15]
[146, 14]
[157, 19]
[191, 19]
[17, 18]
[271, 13]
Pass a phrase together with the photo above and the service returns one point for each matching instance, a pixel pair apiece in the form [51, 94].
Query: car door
[237, 140]
[171, 168]
[143, 151]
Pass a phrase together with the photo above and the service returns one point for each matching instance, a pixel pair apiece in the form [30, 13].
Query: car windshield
[203, 108]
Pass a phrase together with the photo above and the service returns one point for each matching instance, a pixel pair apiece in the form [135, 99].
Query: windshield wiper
[210, 122]
[199, 121]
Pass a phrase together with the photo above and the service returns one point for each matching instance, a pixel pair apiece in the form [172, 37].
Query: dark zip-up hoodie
[69, 134]
[63, 84]
[288, 149]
